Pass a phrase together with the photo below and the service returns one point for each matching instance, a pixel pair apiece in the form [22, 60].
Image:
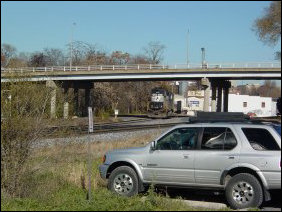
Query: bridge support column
[66, 88]
[53, 86]
[206, 85]
[219, 98]
[87, 98]
[76, 102]
[226, 87]
[213, 103]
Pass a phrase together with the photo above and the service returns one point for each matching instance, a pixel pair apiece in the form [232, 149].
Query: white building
[253, 105]
[260, 106]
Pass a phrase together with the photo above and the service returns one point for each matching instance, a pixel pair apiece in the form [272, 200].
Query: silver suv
[241, 158]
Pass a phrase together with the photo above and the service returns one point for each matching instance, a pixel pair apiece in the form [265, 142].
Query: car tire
[244, 191]
[123, 181]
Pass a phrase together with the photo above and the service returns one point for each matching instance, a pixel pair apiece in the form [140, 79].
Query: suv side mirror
[153, 146]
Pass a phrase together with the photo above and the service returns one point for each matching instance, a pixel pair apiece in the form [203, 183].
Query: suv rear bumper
[103, 170]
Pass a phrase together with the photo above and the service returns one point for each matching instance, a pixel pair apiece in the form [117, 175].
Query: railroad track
[107, 127]
[130, 125]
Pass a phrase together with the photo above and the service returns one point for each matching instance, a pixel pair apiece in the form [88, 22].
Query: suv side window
[218, 138]
[261, 139]
[179, 139]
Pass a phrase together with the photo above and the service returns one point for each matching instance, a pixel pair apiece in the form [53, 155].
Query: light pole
[188, 47]
[73, 24]
[204, 64]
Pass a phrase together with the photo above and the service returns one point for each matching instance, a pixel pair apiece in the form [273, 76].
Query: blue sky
[223, 28]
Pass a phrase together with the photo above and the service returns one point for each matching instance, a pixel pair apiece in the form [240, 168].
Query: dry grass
[59, 182]
[69, 161]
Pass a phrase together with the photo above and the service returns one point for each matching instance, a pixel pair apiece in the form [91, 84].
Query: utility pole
[73, 24]
[204, 63]
[188, 47]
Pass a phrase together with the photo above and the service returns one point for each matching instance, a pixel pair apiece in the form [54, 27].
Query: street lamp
[73, 24]
[204, 64]
[188, 47]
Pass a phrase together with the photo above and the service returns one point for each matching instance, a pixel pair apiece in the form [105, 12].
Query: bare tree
[38, 59]
[24, 56]
[268, 27]
[79, 49]
[154, 51]
[119, 58]
[55, 57]
[269, 89]
[17, 62]
[139, 59]
[7, 53]
[278, 56]
[24, 111]
[94, 56]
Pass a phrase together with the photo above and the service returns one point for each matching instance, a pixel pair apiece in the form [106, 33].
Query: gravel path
[103, 137]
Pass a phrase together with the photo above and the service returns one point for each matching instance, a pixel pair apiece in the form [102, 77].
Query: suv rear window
[218, 138]
[261, 139]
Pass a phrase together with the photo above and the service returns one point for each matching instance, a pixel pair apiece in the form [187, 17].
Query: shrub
[22, 121]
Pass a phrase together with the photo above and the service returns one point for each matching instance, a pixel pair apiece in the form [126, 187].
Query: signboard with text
[90, 117]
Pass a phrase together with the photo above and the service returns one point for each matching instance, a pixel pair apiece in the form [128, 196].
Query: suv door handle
[186, 156]
[231, 157]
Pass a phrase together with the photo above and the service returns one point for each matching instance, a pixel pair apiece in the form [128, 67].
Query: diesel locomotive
[162, 103]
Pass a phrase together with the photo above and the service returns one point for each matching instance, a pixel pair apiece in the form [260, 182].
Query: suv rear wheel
[123, 181]
[244, 191]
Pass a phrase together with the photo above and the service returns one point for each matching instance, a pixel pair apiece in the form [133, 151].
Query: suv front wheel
[244, 191]
[123, 181]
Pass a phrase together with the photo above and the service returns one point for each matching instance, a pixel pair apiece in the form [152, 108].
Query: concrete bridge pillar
[219, 97]
[87, 93]
[213, 103]
[53, 86]
[82, 97]
[76, 99]
[226, 87]
[206, 85]
[66, 87]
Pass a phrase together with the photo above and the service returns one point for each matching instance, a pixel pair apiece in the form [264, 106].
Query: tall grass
[58, 181]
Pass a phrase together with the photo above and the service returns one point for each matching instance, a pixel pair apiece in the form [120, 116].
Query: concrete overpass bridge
[146, 72]
[214, 77]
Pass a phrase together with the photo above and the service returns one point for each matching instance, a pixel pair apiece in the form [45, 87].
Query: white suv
[241, 157]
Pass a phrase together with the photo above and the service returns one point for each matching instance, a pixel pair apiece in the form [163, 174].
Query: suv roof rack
[219, 117]
[230, 117]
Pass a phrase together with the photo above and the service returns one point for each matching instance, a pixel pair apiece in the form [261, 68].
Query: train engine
[161, 105]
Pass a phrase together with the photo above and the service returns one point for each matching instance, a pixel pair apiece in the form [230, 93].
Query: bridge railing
[227, 65]
[257, 65]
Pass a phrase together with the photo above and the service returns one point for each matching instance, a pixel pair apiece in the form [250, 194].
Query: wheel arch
[130, 164]
[228, 174]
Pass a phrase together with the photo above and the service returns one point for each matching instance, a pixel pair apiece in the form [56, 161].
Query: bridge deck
[145, 74]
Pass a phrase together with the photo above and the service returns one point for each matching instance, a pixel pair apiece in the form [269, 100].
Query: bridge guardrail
[144, 67]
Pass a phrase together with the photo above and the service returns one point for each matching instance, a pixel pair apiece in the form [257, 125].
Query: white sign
[90, 117]
[116, 112]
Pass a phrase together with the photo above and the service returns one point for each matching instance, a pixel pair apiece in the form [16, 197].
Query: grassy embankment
[58, 177]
